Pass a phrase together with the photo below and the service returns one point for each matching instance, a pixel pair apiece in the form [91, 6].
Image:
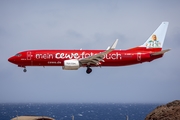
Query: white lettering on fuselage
[44, 56]
[69, 56]
[113, 56]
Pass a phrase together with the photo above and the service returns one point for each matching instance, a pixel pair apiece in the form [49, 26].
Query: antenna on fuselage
[72, 117]
[127, 118]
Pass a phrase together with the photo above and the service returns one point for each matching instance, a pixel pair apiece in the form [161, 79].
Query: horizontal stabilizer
[160, 53]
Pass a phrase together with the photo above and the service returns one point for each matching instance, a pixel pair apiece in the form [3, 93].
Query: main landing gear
[89, 70]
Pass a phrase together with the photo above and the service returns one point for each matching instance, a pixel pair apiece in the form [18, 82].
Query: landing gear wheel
[89, 70]
[24, 70]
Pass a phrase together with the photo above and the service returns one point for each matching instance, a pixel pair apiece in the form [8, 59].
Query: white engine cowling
[71, 64]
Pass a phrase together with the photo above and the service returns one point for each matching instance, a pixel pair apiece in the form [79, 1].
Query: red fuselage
[57, 57]
[74, 59]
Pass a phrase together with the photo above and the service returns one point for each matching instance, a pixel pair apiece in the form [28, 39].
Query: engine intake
[71, 65]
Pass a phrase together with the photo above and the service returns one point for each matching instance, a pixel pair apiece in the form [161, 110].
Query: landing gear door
[29, 56]
[138, 56]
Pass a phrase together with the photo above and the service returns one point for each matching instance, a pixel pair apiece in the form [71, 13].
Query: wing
[96, 59]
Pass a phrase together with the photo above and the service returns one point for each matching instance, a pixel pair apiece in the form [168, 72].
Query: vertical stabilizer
[156, 40]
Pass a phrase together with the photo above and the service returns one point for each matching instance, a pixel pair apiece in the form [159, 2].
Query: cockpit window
[18, 55]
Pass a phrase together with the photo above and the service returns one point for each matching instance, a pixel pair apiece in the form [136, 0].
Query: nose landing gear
[24, 70]
[22, 66]
[89, 70]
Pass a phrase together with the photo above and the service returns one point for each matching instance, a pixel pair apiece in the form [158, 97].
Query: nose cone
[11, 59]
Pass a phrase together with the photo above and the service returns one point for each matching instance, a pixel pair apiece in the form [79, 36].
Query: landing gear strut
[89, 70]
[24, 70]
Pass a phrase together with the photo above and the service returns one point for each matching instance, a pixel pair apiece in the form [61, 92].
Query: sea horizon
[80, 111]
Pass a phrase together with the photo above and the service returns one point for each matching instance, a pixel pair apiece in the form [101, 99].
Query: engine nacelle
[71, 64]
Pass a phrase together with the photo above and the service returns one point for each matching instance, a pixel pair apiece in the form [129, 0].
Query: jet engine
[71, 64]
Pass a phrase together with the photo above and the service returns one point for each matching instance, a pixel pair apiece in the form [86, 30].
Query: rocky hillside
[170, 111]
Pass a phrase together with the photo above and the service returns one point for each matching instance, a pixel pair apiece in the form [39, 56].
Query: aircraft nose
[11, 59]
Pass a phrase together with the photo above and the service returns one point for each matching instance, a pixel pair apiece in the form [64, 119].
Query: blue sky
[79, 24]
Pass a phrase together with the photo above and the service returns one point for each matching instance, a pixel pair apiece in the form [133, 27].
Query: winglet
[108, 48]
[114, 45]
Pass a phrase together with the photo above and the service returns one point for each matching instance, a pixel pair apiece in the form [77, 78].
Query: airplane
[74, 59]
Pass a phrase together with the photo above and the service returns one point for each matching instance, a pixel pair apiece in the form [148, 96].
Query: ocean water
[79, 111]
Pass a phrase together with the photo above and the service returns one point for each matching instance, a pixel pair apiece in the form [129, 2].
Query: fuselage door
[138, 56]
[28, 55]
